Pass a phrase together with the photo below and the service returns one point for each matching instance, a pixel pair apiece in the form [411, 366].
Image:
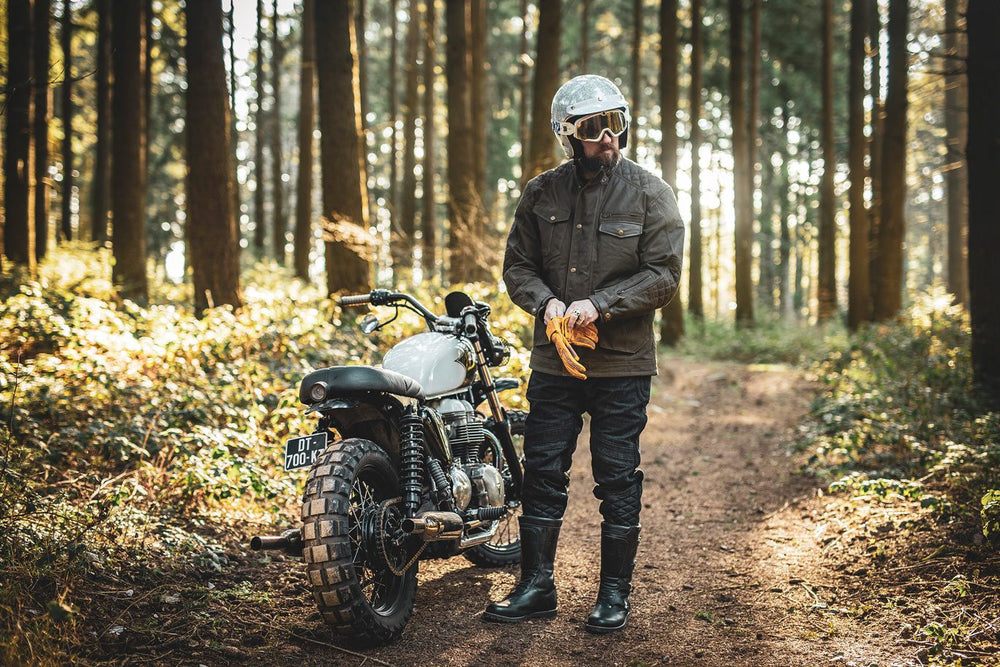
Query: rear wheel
[357, 558]
[504, 548]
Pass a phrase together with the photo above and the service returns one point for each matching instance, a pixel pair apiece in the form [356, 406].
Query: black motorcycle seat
[348, 380]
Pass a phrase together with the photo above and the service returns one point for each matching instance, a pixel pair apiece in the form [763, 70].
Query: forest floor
[743, 561]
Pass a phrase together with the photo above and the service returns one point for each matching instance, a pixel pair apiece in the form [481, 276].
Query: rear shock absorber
[411, 459]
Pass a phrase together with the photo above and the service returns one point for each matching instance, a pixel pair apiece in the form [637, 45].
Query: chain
[381, 524]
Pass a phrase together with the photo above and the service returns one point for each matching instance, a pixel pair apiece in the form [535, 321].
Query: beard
[603, 160]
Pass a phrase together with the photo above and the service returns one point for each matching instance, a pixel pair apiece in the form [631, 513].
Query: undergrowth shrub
[900, 417]
[135, 436]
[770, 341]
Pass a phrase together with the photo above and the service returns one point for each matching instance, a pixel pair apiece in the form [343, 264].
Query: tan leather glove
[583, 336]
[557, 332]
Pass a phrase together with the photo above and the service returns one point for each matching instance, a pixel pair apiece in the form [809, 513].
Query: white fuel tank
[439, 362]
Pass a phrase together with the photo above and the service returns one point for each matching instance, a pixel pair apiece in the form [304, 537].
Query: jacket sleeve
[661, 251]
[522, 261]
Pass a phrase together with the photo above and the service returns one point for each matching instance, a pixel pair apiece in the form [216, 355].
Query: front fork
[500, 419]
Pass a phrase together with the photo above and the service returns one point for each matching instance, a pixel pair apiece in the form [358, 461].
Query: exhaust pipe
[433, 526]
[289, 541]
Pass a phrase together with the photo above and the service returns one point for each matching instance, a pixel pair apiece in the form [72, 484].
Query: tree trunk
[584, 35]
[211, 226]
[753, 111]
[547, 73]
[393, 196]
[742, 178]
[307, 120]
[128, 177]
[785, 307]
[42, 93]
[484, 265]
[858, 282]
[875, 144]
[957, 181]
[765, 239]
[672, 315]
[428, 218]
[234, 135]
[522, 121]
[827, 278]
[259, 174]
[636, 82]
[101, 185]
[345, 193]
[280, 227]
[696, 304]
[65, 38]
[983, 19]
[462, 210]
[19, 228]
[889, 293]
[402, 263]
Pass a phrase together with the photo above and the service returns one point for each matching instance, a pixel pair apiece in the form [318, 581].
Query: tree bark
[858, 282]
[522, 121]
[260, 120]
[234, 135]
[42, 106]
[280, 226]
[128, 176]
[983, 19]
[484, 265]
[742, 179]
[542, 150]
[636, 82]
[19, 228]
[889, 293]
[101, 187]
[875, 144]
[66, 90]
[956, 100]
[585, 6]
[211, 227]
[672, 315]
[345, 193]
[428, 217]
[462, 209]
[393, 208]
[402, 263]
[307, 120]
[696, 304]
[827, 278]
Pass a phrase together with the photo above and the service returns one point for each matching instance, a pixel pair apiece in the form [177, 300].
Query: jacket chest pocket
[553, 230]
[618, 240]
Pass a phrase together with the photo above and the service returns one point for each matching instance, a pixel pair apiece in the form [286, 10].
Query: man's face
[601, 153]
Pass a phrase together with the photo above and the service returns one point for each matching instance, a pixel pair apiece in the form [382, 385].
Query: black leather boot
[618, 547]
[535, 595]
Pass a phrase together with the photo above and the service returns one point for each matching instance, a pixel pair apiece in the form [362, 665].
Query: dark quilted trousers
[617, 409]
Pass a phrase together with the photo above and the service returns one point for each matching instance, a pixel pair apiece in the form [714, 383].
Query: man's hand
[580, 313]
[554, 308]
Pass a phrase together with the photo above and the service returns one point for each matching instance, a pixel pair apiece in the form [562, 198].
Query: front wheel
[505, 546]
[359, 565]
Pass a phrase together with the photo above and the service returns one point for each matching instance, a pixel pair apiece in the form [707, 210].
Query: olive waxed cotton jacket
[616, 239]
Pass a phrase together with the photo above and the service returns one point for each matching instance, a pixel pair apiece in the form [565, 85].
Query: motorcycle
[413, 460]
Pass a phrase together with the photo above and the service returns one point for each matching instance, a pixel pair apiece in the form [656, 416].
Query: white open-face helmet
[583, 96]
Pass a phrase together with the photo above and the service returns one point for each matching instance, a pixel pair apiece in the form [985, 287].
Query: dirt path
[730, 568]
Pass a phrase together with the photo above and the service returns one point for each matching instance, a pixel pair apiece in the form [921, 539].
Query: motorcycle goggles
[592, 127]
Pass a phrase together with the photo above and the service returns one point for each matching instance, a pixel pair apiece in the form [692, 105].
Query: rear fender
[372, 416]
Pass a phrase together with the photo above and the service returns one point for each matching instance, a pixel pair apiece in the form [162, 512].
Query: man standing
[604, 236]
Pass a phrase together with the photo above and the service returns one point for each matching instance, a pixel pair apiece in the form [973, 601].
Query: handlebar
[382, 297]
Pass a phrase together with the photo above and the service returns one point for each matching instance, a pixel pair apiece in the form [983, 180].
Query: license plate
[302, 451]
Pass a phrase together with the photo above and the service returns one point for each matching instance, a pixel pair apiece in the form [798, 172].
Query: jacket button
[607, 316]
[579, 226]
[573, 270]
[621, 232]
[552, 217]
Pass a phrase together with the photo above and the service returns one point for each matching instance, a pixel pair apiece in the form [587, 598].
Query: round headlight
[318, 391]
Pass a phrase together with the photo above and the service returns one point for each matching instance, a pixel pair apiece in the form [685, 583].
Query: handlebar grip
[469, 320]
[354, 300]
